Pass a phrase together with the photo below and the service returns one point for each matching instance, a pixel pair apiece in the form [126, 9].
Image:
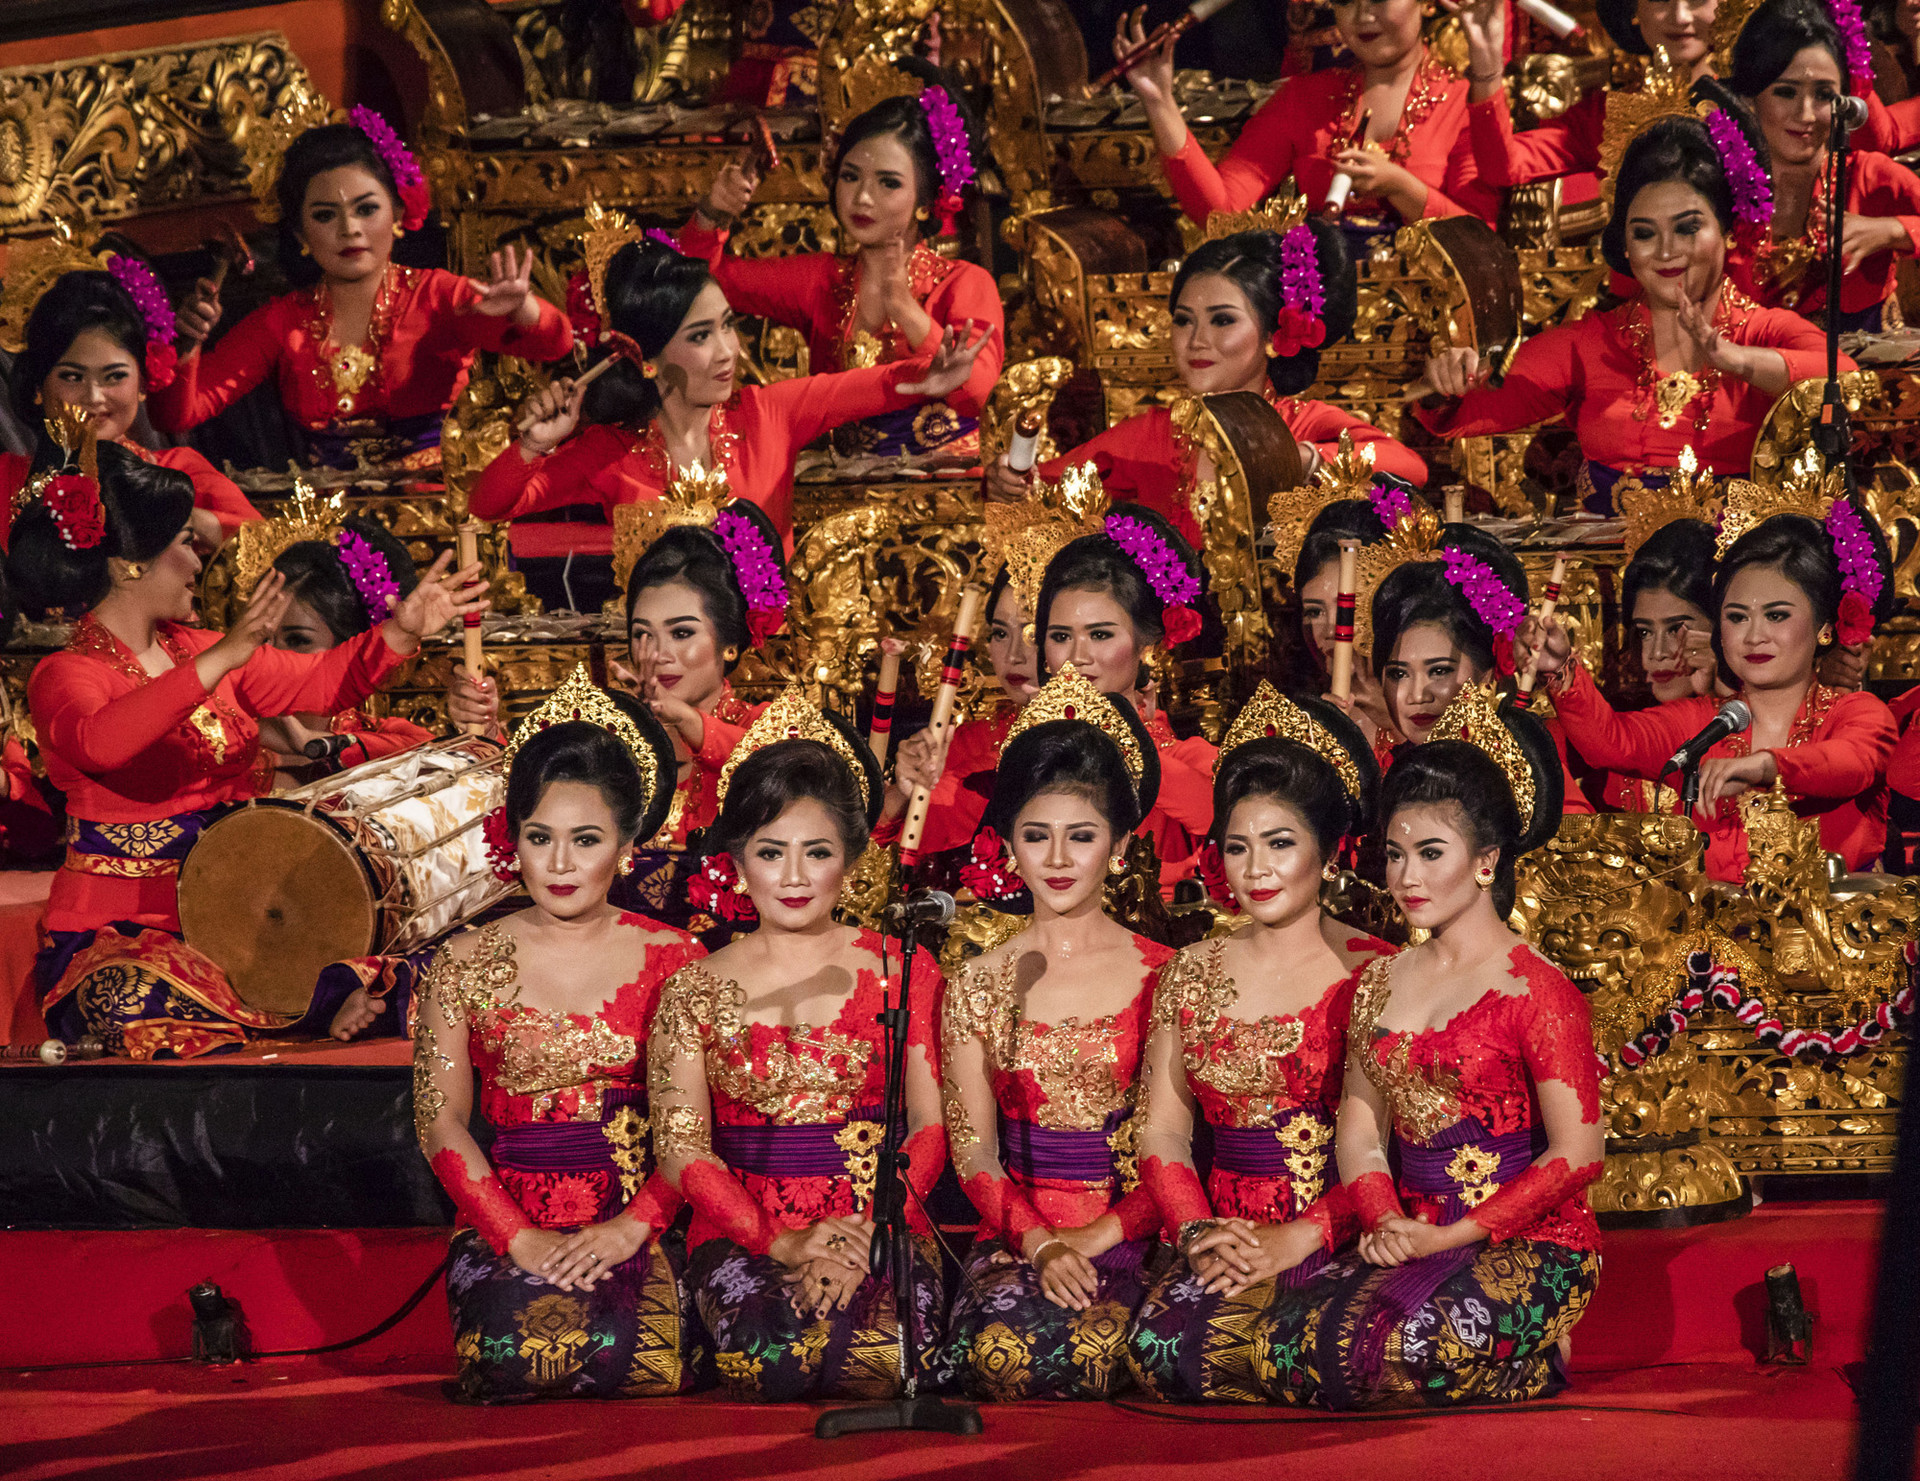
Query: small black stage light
[218, 1336]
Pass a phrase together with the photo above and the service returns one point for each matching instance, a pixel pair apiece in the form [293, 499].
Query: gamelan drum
[382, 858]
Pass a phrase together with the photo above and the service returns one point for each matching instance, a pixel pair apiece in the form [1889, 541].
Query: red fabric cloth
[755, 438]
[1565, 146]
[1835, 768]
[212, 489]
[129, 748]
[373, 739]
[1599, 372]
[423, 337]
[1145, 458]
[1876, 186]
[1903, 768]
[696, 803]
[1183, 810]
[959, 798]
[818, 294]
[1574, 798]
[1313, 114]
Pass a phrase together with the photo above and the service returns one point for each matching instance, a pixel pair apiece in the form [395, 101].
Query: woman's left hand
[1247, 1254]
[1398, 1240]
[436, 601]
[951, 364]
[1862, 237]
[1715, 348]
[819, 1287]
[588, 1254]
[889, 281]
[1729, 776]
[508, 286]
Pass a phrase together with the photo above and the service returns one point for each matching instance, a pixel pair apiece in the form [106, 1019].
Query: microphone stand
[1832, 434]
[892, 1247]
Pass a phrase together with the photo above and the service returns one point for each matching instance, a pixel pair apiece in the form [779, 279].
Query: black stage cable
[385, 1325]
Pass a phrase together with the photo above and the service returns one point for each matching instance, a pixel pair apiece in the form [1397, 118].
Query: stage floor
[314, 1418]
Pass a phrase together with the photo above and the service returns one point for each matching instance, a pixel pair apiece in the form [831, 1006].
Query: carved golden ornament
[1804, 489]
[1025, 537]
[1285, 209]
[873, 79]
[1271, 713]
[1412, 539]
[1348, 474]
[791, 717]
[607, 232]
[1222, 506]
[33, 268]
[259, 543]
[1730, 18]
[1026, 388]
[694, 497]
[1689, 494]
[1474, 717]
[1667, 93]
[1069, 696]
[579, 698]
[298, 108]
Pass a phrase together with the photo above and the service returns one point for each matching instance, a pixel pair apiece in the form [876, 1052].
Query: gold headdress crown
[1690, 495]
[792, 717]
[33, 268]
[1474, 717]
[607, 232]
[1025, 536]
[1291, 512]
[1803, 489]
[695, 497]
[260, 543]
[269, 138]
[1285, 209]
[1271, 713]
[579, 698]
[1068, 696]
[1667, 93]
[873, 79]
[71, 428]
[1413, 539]
[1730, 18]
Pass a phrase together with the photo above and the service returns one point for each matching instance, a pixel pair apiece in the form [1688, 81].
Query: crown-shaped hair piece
[1474, 717]
[1802, 489]
[1026, 536]
[1730, 18]
[1667, 93]
[792, 717]
[33, 268]
[606, 233]
[694, 497]
[1271, 713]
[259, 543]
[1069, 696]
[269, 138]
[579, 698]
[873, 79]
[1689, 494]
[1279, 213]
[1348, 474]
[1414, 537]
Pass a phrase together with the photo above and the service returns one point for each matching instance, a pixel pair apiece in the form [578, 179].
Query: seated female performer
[767, 1078]
[565, 1282]
[1690, 361]
[674, 403]
[1471, 1121]
[1316, 578]
[368, 356]
[1786, 590]
[1568, 145]
[1106, 602]
[887, 295]
[149, 726]
[1790, 65]
[1392, 122]
[1249, 1035]
[1250, 313]
[1041, 1041]
[103, 341]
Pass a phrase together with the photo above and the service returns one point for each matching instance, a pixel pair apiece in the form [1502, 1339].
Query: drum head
[272, 895]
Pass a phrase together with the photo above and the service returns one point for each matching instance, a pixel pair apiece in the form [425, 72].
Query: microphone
[1733, 718]
[921, 908]
[1849, 112]
[1554, 19]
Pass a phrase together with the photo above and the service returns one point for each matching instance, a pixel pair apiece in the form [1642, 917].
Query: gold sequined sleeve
[681, 1104]
[442, 1071]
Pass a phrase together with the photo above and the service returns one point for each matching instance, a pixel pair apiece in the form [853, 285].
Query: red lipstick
[1060, 884]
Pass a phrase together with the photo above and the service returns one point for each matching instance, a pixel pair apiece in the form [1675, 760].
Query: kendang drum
[383, 858]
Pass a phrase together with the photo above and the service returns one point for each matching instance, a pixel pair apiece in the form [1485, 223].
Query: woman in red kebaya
[1786, 591]
[103, 341]
[1412, 161]
[1041, 1043]
[887, 295]
[1470, 1127]
[150, 726]
[1251, 312]
[1249, 1036]
[1791, 63]
[674, 404]
[1690, 361]
[368, 355]
[560, 1285]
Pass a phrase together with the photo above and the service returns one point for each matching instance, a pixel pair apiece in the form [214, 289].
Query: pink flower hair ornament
[1852, 27]
[367, 569]
[415, 199]
[1299, 325]
[1492, 600]
[144, 288]
[1751, 186]
[763, 584]
[952, 149]
[1861, 579]
[1176, 586]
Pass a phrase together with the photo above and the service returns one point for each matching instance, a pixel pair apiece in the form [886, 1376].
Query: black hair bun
[872, 783]
[1535, 741]
[664, 765]
[1353, 740]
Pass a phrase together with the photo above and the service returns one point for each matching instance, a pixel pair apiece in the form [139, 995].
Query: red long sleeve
[926, 1152]
[274, 682]
[1903, 768]
[1186, 783]
[212, 489]
[510, 486]
[1319, 424]
[1004, 1210]
[1334, 1212]
[1176, 1191]
[208, 381]
[655, 1204]
[723, 1202]
[482, 1202]
[373, 739]
[1374, 1199]
[1561, 146]
[79, 715]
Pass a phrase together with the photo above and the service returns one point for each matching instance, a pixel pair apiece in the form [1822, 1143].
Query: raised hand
[1452, 372]
[437, 600]
[549, 418]
[507, 285]
[1546, 645]
[1862, 237]
[1484, 25]
[731, 192]
[951, 364]
[1152, 75]
[199, 312]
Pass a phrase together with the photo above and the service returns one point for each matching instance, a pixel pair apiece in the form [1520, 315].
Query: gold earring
[730, 655]
[740, 886]
[398, 231]
[1331, 872]
[1826, 636]
[1483, 876]
[625, 866]
[648, 369]
[1117, 864]
[921, 214]
[135, 570]
[305, 250]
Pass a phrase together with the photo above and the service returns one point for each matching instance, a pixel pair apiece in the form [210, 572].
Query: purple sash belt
[1463, 1167]
[1056, 1155]
[566, 1146]
[811, 1151]
[1263, 1151]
